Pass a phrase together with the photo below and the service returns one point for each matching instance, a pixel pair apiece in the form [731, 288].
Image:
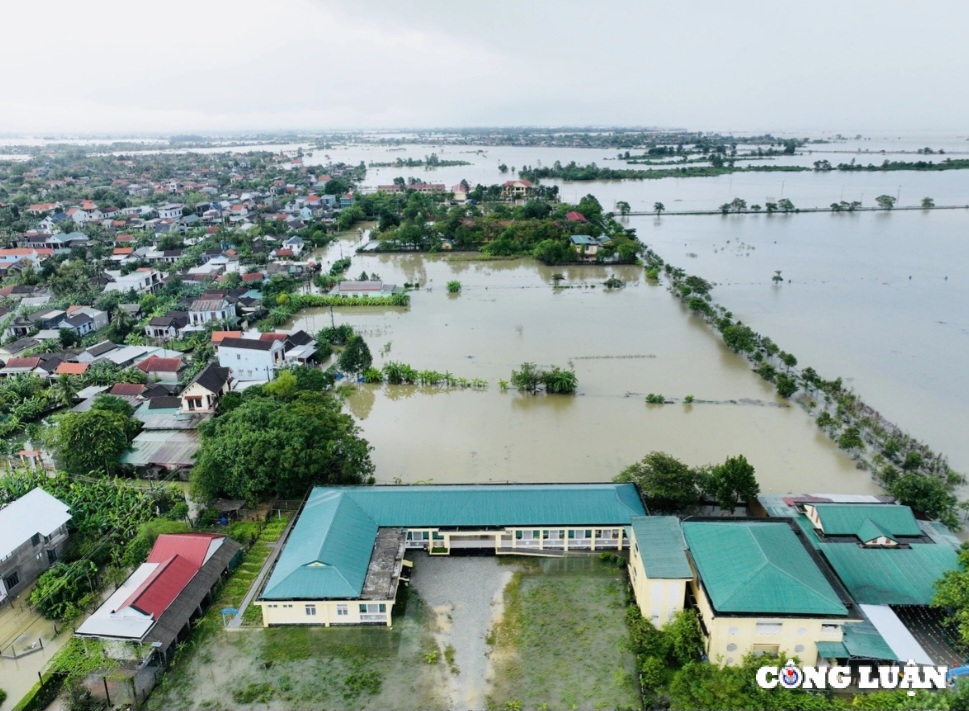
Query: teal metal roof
[832, 650]
[870, 530]
[890, 576]
[753, 567]
[662, 547]
[847, 519]
[500, 505]
[328, 551]
[862, 640]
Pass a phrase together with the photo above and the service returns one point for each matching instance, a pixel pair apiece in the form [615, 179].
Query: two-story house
[251, 358]
[167, 327]
[33, 534]
[203, 311]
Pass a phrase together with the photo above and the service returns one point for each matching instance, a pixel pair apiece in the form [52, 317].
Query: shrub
[453, 287]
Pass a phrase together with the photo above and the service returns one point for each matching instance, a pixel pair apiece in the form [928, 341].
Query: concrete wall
[658, 599]
[29, 560]
[730, 638]
[327, 612]
[247, 364]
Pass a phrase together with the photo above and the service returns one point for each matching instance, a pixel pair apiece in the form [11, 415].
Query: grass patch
[561, 642]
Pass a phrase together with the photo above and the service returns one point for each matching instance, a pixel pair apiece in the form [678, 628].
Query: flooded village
[288, 377]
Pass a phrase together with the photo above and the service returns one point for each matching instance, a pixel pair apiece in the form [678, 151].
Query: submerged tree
[666, 483]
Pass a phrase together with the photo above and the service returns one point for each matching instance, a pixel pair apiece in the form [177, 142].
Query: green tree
[64, 590]
[528, 378]
[267, 447]
[559, 381]
[786, 385]
[952, 593]
[658, 207]
[623, 207]
[785, 205]
[64, 390]
[851, 439]
[454, 287]
[777, 278]
[927, 495]
[666, 483]
[886, 202]
[732, 481]
[927, 203]
[91, 441]
[355, 357]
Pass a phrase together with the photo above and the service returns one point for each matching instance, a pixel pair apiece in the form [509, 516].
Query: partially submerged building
[344, 557]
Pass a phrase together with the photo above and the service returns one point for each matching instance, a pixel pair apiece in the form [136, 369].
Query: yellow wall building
[758, 590]
[659, 570]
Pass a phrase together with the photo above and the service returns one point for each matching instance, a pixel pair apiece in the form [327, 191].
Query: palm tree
[122, 322]
[64, 390]
[659, 207]
[558, 381]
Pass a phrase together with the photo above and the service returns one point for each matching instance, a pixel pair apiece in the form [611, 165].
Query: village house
[203, 393]
[251, 358]
[96, 351]
[516, 190]
[156, 606]
[167, 327]
[33, 535]
[169, 211]
[204, 311]
[144, 280]
[165, 370]
[352, 289]
[344, 558]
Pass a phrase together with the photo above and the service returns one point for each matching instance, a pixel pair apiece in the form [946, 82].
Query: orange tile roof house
[71, 369]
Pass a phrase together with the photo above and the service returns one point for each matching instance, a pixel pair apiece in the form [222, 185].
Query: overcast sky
[220, 65]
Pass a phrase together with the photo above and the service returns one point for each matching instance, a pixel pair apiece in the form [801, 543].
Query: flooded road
[622, 344]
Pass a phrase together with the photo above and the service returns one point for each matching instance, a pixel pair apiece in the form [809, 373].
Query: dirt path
[465, 597]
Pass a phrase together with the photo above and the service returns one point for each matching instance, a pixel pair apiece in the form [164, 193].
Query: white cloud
[117, 65]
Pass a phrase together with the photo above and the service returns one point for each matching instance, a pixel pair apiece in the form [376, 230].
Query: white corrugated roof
[34, 512]
[896, 634]
[124, 623]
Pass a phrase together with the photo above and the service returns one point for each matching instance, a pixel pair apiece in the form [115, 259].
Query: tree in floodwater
[658, 207]
[666, 483]
[927, 203]
[355, 357]
[777, 278]
[886, 202]
[623, 207]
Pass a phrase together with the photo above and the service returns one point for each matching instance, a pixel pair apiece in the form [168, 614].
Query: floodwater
[850, 309]
[622, 344]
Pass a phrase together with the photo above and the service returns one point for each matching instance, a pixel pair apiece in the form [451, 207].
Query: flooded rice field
[623, 344]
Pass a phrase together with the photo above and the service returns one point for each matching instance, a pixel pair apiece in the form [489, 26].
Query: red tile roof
[123, 250]
[23, 362]
[129, 389]
[71, 369]
[154, 364]
[575, 216]
[191, 546]
[253, 276]
[273, 337]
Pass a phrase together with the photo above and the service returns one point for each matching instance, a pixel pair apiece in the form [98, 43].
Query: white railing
[373, 617]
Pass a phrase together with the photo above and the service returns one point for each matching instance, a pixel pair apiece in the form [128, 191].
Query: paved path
[236, 622]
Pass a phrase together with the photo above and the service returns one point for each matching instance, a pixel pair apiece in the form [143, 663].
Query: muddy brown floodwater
[622, 344]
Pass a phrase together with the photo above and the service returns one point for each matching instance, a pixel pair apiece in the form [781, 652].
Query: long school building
[344, 557]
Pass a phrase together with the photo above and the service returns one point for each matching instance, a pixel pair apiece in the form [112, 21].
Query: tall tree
[268, 447]
[91, 441]
[732, 481]
[356, 356]
[666, 483]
